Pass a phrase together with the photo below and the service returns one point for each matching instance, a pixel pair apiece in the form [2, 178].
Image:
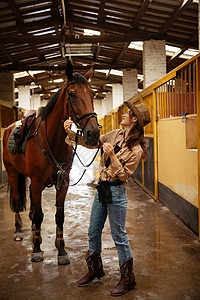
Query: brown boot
[127, 281]
[95, 268]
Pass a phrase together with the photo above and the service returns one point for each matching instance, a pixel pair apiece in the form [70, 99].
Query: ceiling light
[91, 32]
[78, 49]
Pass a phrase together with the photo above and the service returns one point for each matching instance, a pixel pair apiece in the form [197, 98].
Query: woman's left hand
[108, 149]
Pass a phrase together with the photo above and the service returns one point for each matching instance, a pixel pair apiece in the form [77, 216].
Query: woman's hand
[67, 124]
[108, 149]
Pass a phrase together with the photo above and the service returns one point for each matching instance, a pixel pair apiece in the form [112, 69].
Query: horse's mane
[45, 111]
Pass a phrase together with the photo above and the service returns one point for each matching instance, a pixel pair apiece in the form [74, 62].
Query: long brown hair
[136, 136]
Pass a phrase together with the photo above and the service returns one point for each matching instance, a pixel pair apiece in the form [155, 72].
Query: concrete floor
[166, 253]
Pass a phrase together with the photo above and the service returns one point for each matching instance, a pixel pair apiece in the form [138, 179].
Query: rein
[61, 172]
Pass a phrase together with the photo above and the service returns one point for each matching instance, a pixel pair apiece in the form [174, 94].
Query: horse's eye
[72, 95]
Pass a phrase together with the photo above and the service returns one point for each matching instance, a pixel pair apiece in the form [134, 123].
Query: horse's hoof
[63, 260]
[37, 257]
[18, 236]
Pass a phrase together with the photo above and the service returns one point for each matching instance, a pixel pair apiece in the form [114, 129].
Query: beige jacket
[127, 160]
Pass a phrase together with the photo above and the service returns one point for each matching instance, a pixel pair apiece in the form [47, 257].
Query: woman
[122, 151]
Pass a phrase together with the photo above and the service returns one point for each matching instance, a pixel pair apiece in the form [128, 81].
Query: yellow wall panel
[177, 166]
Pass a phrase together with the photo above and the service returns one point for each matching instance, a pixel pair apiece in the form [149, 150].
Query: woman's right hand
[67, 124]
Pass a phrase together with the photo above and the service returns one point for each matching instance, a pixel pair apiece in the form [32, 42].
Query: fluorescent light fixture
[78, 49]
[91, 32]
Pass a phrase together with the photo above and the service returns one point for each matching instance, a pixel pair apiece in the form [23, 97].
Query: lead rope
[85, 166]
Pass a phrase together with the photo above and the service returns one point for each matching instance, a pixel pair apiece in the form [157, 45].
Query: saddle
[26, 123]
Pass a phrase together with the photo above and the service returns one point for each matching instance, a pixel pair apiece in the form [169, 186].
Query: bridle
[75, 118]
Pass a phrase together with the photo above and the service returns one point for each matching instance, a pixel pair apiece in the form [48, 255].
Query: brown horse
[48, 158]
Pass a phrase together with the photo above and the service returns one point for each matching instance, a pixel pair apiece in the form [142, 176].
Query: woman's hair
[136, 136]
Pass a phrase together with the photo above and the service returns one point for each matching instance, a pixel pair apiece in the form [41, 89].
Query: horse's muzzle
[92, 137]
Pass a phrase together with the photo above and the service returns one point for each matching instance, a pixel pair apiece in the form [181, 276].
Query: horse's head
[80, 103]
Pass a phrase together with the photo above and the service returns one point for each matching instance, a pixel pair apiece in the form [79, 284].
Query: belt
[113, 182]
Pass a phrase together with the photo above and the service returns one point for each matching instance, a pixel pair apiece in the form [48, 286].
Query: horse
[47, 160]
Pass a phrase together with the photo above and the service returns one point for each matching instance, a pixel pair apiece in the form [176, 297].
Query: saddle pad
[13, 147]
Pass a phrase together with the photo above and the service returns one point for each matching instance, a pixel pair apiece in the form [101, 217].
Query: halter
[76, 119]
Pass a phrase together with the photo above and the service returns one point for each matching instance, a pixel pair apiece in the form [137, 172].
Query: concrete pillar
[35, 101]
[24, 97]
[109, 102]
[7, 87]
[130, 83]
[154, 61]
[98, 107]
[117, 94]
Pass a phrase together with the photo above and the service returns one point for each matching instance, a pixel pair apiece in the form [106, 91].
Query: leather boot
[95, 268]
[127, 281]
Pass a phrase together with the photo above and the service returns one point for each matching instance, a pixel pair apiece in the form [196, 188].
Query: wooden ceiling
[35, 34]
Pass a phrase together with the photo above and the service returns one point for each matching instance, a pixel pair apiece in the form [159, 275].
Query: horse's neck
[55, 129]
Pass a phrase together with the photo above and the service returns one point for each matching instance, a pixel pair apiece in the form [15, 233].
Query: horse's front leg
[59, 242]
[37, 221]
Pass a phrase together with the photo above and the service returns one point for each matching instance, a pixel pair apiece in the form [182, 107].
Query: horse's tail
[22, 193]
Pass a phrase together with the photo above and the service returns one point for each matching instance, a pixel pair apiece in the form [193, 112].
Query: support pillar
[107, 104]
[130, 83]
[7, 87]
[117, 95]
[24, 96]
[154, 61]
[98, 107]
[35, 101]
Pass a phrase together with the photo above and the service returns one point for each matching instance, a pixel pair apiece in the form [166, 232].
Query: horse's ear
[69, 70]
[89, 73]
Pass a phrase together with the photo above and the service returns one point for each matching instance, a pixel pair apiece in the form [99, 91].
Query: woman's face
[128, 119]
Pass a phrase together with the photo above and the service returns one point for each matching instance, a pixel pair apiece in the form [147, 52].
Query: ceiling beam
[72, 39]
[175, 15]
[21, 21]
[98, 51]
[58, 68]
[7, 54]
[177, 54]
[56, 17]
[141, 12]
[183, 49]
[101, 11]
[124, 50]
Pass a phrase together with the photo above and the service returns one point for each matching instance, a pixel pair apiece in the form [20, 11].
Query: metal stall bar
[155, 120]
[198, 130]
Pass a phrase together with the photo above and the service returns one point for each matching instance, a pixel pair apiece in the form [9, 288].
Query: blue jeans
[116, 212]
